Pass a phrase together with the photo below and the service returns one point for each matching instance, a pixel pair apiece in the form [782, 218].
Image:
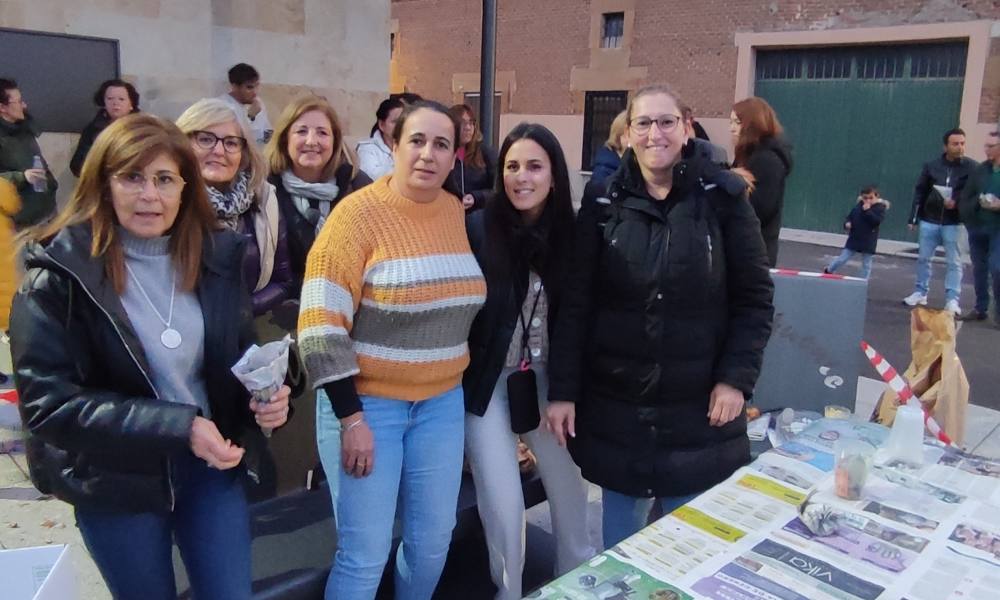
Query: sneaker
[915, 298]
[952, 307]
[972, 315]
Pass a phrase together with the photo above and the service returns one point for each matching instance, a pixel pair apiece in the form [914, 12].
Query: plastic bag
[262, 370]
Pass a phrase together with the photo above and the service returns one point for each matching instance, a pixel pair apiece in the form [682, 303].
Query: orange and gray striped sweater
[391, 288]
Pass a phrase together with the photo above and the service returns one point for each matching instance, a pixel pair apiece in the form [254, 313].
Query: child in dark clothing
[862, 230]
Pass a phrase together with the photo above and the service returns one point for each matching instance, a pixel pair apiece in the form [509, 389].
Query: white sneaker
[952, 307]
[915, 298]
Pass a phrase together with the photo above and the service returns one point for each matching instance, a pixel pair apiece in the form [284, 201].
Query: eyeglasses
[133, 182]
[207, 140]
[666, 123]
[470, 124]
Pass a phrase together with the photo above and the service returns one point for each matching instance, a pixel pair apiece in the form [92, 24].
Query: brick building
[885, 76]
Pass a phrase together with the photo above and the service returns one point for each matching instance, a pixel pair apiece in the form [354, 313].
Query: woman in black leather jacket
[131, 314]
[663, 324]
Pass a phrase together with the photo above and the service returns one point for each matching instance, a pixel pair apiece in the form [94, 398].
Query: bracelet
[354, 424]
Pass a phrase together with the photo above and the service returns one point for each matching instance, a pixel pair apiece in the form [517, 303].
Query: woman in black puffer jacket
[663, 325]
[114, 99]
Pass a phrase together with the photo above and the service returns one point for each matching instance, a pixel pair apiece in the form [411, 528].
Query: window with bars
[600, 109]
[613, 30]
[913, 61]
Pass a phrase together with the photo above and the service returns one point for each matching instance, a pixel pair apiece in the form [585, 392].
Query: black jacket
[771, 163]
[99, 435]
[18, 147]
[863, 233]
[928, 205]
[478, 181]
[606, 162]
[493, 328]
[87, 137]
[665, 300]
[302, 232]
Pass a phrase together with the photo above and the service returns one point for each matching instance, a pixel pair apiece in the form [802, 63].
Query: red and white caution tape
[902, 389]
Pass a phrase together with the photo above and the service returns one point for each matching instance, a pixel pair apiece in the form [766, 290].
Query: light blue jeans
[932, 236]
[846, 255]
[418, 458]
[328, 445]
[625, 515]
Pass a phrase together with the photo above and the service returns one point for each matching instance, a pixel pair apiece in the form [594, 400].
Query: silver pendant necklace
[170, 338]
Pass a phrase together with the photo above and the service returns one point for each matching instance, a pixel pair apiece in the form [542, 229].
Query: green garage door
[858, 115]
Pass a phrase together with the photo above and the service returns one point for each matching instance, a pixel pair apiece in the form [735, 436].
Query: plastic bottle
[43, 184]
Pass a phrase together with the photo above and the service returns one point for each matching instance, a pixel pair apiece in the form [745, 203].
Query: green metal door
[859, 115]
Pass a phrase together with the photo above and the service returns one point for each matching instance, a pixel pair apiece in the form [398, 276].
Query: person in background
[523, 241]
[123, 333]
[935, 211]
[375, 153]
[979, 208]
[19, 153]
[391, 289]
[10, 203]
[699, 139]
[761, 150]
[475, 168]
[609, 156]
[312, 169]
[114, 99]
[244, 85]
[234, 173]
[654, 353]
[862, 225]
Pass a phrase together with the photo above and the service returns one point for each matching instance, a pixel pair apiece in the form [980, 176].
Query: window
[613, 29]
[472, 99]
[392, 46]
[600, 109]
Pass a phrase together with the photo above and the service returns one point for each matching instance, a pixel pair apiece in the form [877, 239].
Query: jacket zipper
[708, 238]
[170, 483]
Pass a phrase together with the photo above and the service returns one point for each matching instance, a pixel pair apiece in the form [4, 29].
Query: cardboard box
[40, 573]
[814, 355]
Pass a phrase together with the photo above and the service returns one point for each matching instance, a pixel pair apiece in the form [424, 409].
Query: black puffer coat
[99, 435]
[771, 163]
[665, 300]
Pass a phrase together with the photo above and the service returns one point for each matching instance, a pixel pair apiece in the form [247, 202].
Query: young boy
[862, 230]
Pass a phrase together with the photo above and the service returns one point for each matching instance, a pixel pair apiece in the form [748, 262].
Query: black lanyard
[525, 334]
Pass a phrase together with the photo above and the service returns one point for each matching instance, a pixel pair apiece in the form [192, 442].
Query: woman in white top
[375, 153]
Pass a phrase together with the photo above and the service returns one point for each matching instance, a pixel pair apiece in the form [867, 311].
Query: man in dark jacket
[979, 206]
[936, 212]
[18, 149]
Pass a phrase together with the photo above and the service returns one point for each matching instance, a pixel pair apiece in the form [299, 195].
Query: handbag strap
[525, 333]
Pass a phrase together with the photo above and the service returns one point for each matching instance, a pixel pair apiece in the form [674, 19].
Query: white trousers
[491, 448]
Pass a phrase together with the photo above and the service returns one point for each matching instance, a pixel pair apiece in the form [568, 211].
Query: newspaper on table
[262, 370]
[921, 533]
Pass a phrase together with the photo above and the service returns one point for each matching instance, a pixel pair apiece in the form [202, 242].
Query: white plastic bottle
[40, 185]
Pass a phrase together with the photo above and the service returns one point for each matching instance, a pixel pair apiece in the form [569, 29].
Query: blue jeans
[328, 445]
[418, 458]
[933, 235]
[846, 255]
[979, 252]
[210, 522]
[624, 515]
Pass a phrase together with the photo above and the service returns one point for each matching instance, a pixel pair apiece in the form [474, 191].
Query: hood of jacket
[693, 168]
[27, 125]
[781, 148]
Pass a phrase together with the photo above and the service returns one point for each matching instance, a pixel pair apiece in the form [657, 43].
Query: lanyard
[525, 334]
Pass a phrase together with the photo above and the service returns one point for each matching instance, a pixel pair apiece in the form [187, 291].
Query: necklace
[170, 338]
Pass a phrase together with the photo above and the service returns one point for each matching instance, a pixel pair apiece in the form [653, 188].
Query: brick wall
[687, 44]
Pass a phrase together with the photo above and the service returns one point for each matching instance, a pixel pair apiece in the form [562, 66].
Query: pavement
[27, 521]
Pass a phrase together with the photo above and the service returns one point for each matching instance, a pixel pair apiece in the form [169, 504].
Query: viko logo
[832, 381]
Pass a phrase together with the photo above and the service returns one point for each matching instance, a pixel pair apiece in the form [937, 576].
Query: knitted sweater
[391, 289]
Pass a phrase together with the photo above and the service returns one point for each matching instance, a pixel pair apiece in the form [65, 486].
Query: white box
[40, 573]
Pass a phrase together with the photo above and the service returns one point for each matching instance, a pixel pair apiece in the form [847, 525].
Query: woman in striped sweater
[390, 291]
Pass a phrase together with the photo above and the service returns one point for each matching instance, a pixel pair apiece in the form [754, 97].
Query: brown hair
[651, 90]
[474, 149]
[130, 143]
[757, 121]
[277, 148]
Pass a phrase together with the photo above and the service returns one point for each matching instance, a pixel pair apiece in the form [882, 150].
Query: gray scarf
[302, 192]
[232, 203]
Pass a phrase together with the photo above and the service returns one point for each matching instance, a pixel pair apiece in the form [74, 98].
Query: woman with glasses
[375, 153]
[475, 165]
[234, 173]
[130, 315]
[664, 321]
[312, 170]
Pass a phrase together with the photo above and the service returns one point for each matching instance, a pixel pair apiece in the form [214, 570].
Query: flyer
[677, 543]
[824, 433]
[606, 578]
[797, 474]
[867, 541]
[817, 458]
